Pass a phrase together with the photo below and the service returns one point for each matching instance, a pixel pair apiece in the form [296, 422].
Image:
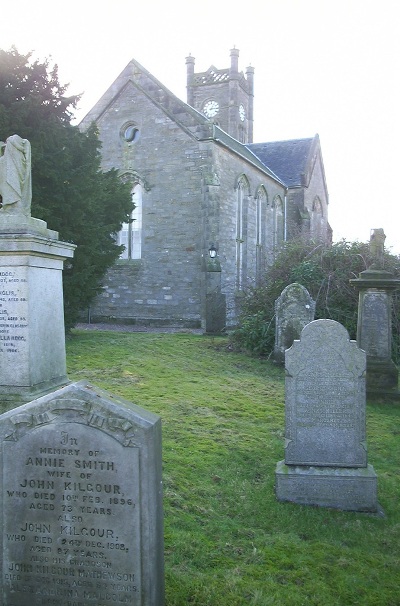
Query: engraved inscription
[13, 313]
[375, 322]
[71, 518]
[325, 402]
[325, 398]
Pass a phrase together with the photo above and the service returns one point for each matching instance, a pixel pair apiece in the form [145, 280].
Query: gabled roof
[193, 122]
[290, 160]
[137, 76]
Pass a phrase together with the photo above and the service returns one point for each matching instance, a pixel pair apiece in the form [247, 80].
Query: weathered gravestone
[374, 325]
[294, 308]
[81, 502]
[326, 454]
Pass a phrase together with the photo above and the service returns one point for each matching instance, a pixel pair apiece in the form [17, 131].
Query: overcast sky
[321, 66]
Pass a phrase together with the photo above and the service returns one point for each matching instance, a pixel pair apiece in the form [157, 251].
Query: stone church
[212, 208]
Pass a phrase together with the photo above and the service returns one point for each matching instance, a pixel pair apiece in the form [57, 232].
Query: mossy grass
[228, 542]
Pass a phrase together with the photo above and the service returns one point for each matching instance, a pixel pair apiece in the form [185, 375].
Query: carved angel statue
[15, 176]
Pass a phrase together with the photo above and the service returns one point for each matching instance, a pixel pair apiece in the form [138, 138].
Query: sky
[321, 66]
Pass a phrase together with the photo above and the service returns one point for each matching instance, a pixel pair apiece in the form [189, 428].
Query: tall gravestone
[32, 338]
[374, 326]
[294, 308]
[325, 439]
[80, 489]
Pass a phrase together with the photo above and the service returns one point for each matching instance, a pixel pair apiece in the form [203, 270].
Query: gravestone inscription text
[13, 312]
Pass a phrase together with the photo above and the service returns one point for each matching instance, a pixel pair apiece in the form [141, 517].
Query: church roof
[289, 160]
[193, 122]
[221, 137]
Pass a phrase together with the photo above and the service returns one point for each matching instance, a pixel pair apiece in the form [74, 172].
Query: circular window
[130, 133]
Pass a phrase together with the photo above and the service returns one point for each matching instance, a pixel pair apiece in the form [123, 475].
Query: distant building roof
[287, 159]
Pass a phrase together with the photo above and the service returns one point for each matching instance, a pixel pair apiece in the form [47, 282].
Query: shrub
[326, 272]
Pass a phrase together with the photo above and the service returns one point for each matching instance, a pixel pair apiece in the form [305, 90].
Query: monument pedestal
[374, 330]
[32, 339]
[351, 489]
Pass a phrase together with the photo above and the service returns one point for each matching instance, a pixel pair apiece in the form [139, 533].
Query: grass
[228, 542]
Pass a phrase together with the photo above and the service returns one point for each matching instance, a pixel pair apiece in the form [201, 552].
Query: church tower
[224, 96]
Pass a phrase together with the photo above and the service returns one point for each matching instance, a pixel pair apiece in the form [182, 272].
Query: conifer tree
[69, 190]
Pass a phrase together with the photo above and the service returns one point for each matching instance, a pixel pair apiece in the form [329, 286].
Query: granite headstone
[294, 308]
[81, 502]
[325, 438]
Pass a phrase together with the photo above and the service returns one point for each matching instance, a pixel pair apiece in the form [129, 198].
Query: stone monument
[32, 340]
[294, 308]
[80, 491]
[325, 439]
[81, 502]
[374, 325]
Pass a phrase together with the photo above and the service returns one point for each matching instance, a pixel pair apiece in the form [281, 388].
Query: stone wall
[189, 180]
[189, 202]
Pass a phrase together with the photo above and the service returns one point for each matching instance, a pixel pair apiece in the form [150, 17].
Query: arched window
[241, 207]
[130, 235]
[279, 222]
[317, 219]
[261, 204]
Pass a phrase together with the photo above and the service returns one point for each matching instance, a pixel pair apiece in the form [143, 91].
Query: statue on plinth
[377, 248]
[15, 176]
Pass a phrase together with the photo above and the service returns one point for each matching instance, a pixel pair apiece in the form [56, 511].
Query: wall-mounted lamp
[212, 251]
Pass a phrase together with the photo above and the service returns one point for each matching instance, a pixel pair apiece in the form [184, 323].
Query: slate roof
[287, 159]
[220, 136]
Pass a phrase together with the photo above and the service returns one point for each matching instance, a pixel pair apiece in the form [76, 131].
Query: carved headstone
[81, 502]
[325, 453]
[294, 308]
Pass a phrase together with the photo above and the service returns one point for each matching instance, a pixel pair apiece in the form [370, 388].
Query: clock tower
[224, 96]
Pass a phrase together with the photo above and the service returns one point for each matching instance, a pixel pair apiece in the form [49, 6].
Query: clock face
[242, 113]
[211, 108]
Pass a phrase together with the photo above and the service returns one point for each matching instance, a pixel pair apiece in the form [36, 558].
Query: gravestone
[325, 436]
[294, 308]
[374, 324]
[81, 502]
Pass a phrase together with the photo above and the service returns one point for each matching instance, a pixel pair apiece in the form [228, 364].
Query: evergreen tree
[69, 190]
